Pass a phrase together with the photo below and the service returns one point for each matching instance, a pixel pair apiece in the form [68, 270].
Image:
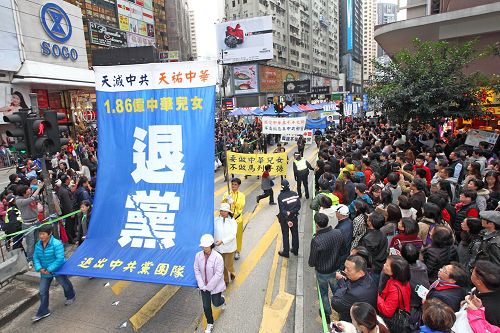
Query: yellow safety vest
[301, 164]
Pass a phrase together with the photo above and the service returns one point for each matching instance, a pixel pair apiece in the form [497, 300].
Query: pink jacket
[478, 322]
[215, 272]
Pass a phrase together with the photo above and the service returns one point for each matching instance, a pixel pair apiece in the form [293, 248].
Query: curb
[299, 287]
[19, 308]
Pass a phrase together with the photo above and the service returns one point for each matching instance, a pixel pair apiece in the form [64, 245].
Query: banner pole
[223, 119]
[49, 195]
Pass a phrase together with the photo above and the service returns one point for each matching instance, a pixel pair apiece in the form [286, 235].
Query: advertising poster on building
[245, 40]
[297, 87]
[107, 36]
[123, 22]
[150, 118]
[292, 126]
[143, 29]
[253, 164]
[245, 79]
[272, 78]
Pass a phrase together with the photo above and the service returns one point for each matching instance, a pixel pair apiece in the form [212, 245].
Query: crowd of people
[408, 230]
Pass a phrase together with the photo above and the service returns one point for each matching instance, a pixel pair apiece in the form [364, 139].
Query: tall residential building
[351, 44]
[387, 12]
[192, 29]
[178, 29]
[305, 32]
[369, 44]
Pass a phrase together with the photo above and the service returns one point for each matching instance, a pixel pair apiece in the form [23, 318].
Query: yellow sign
[123, 21]
[253, 164]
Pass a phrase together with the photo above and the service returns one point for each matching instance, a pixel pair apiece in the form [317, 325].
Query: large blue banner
[154, 195]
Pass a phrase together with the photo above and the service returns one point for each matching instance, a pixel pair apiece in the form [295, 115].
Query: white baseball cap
[342, 209]
[225, 207]
[206, 240]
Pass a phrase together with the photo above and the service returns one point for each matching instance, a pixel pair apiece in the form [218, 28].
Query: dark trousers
[267, 193]
[69, 226]
[301, 151]
[285, 229]
[302, 180]
[207, 300]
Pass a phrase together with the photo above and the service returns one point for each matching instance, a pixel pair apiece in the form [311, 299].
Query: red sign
[42, 97]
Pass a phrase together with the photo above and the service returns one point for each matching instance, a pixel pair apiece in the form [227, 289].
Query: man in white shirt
[225, 240]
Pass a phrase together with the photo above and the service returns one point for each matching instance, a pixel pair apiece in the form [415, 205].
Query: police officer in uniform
[301, 169]
[289, 206]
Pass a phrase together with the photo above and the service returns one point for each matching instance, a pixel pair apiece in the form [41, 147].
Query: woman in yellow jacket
[236, 200]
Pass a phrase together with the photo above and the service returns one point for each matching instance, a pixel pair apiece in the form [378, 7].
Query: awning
[50, 74]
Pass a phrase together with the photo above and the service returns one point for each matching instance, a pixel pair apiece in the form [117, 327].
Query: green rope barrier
[321, 307]
[41, 225]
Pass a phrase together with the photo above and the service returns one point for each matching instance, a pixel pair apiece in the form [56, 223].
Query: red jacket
[391, 299]
[368, 172]
[428, 175]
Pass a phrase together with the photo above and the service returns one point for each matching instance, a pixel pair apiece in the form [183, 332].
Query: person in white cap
[209, 271]
[225, 240]
[345, 226]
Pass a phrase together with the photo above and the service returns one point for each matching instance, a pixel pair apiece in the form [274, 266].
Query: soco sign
[57, 25]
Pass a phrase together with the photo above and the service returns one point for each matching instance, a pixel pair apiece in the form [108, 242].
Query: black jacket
[418, 276]
[437, 257]
[490, 248]
[362, 290]
[66, 198]
[288, 201]
[301, 173]
[491, 303]
[417, 201]
[325, 250]
[376, 243]
[451, 297]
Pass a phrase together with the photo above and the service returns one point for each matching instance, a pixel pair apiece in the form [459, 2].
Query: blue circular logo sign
[55, 22]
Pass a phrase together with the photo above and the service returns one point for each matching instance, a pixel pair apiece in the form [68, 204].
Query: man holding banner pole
[236, 200]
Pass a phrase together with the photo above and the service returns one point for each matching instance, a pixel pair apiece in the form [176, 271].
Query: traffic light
[47, 133]
[341, 108]
[279, 108]
[24, 141]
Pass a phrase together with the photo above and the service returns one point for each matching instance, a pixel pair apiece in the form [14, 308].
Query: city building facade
[451, 20]
[305, 47]
[178, 30]
[192, 29]
[351, 44]
[369, 44]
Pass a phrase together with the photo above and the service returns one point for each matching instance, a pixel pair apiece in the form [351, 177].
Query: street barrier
[14, 263]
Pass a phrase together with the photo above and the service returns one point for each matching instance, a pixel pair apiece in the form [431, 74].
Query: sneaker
[223, 306]
[273, 203]
[209, 328]
[258, 199]
[236, 255]
[70, 301]
[38, 317]
[30, 265]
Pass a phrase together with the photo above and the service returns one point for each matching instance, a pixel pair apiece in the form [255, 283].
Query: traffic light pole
[49, 194]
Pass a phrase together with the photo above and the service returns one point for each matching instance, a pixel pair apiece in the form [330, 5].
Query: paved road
[265, 297]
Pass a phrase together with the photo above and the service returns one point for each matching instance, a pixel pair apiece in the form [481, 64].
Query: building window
[234, 3]
[244, 1]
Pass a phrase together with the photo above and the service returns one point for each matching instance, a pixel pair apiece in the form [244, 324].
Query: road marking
[154, 305]
[118, 287]
[248, 265]
[272, 273]
[216, 180]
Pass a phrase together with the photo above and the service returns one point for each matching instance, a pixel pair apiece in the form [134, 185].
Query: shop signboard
[245, 40]
[135, 40]
[325, 90]
[107, 36]
[53, 32]
[297, 87]
[9, 56]
[136, 17]
[245, 79]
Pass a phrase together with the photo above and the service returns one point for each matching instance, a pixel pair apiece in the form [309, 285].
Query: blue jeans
[30, 238]
[325, 280]
[207, 300]
[45, 283]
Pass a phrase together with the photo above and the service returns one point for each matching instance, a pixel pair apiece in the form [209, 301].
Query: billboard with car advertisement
[245, 40]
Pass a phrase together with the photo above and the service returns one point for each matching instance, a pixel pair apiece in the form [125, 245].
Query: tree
[428, 83]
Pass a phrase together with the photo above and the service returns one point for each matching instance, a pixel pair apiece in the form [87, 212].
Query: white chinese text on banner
[278, 125]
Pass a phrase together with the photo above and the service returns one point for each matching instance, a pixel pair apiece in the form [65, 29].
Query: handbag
[272, 183]
[462, 322]
[400, 320]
